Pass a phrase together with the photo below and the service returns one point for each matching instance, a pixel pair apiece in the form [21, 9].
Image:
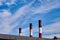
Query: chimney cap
[30, 25]
[20, 30]
[40, 23]
[40, 20]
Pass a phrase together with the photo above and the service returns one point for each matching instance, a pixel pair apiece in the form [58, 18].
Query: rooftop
[16, 37]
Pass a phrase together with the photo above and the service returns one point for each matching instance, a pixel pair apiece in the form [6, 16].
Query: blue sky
[19, 13]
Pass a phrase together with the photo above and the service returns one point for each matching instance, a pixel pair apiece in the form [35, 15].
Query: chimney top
[20, 30]
[40, 23]
[30, 25]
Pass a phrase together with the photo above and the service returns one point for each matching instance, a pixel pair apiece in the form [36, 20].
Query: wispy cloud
[49, 31]
[10, 21]
[7, 20]
[0, 2]
[29, 10]
[4, 23]
[40, 9]
[5, 13]
[44, 6]
[52, 29]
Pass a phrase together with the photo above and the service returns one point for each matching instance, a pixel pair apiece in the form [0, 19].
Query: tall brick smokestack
[20, 31]
[40, 29]
[31, 30]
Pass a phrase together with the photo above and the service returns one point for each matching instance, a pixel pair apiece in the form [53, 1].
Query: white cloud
[46, 6]
[24, 11]
[28, 10]
[52, 28]
[5, 23]
[20, 12]
[5, 13]
[6, 20]
[0, 3]
[11, 2]
[41, 9]
[49, 31]
[8, 2]
[56, 20]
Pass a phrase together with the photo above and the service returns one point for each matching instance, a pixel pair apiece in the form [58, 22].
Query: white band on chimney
[40, 29]
[31, 32]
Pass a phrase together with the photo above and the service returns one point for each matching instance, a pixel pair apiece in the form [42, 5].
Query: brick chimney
[31, 33]
[40, 29]
[20, 31]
